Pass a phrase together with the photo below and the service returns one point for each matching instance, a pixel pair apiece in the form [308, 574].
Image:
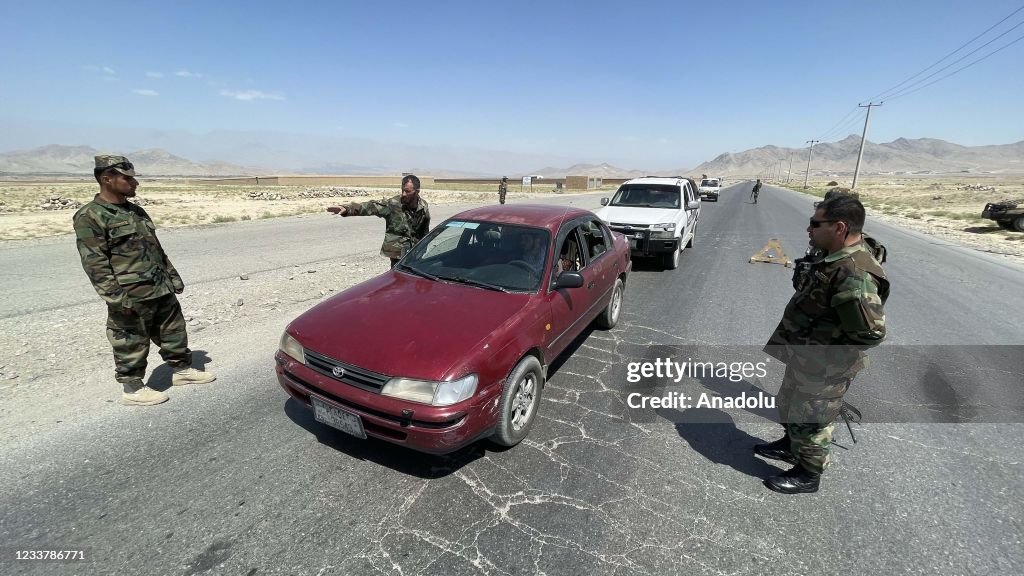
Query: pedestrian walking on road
[755, 190]
[836, 313]
[407, 218]
[128, 268]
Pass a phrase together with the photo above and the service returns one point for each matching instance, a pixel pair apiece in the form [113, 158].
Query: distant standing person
[836, 313]
[502, 189]
[406, 216]
[130, 271]
[755, 190]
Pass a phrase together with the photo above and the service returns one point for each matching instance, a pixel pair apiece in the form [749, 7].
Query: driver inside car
[531, 248]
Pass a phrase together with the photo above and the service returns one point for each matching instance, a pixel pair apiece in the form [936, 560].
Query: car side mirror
[693, 205]
[604, 201]
[569, 280]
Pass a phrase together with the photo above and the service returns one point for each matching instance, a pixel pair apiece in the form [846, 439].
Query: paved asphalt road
[237, 479]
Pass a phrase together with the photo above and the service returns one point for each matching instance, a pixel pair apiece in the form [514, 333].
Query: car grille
[352, 375]
[620, 226]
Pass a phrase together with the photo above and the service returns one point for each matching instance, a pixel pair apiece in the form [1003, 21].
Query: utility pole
[780, 170]
[789, 173]
[863, 139]
[809, 150]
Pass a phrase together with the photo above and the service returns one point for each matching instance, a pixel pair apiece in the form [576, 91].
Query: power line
[841, 120]
[900, 95]
[912, 86]
[840, 129]
[937, 62]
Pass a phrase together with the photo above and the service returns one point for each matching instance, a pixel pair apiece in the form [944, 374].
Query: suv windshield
[487, 255]
[709, 182]
[647, 195]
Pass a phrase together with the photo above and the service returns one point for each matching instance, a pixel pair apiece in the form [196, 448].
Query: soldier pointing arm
[407, 218]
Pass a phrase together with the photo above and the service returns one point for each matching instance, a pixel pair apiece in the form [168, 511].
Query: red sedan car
[453, 344]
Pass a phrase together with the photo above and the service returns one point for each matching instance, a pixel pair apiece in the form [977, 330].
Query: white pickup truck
[658, 215]
[710, 188]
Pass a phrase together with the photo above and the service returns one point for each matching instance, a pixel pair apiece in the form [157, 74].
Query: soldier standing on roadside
[502, 189]
[836, 313]
[407, 218]
[130, 271]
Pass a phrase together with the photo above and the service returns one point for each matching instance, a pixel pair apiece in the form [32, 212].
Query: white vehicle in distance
[710, 188]
[658, 215]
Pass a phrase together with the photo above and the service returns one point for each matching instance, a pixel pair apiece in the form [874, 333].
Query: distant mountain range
[900, 155]
[78, 160]
[839, 158]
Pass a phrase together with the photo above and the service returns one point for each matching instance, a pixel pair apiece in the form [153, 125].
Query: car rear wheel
[671, 261]
[519, 402]
[1018, 224]
[610, 316]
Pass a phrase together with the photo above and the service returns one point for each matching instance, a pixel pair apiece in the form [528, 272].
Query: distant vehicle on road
[710, 188]
[452, 345]
[658, 214]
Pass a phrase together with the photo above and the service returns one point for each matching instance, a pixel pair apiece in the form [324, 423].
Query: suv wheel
[1018, 224]
[671, 261]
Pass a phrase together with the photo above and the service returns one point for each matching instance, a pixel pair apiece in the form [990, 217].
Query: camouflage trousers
[808, 406]
[130, 331]
[501, 197]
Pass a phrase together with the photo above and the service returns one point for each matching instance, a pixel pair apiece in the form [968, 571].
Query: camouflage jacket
[836, 313]
[121, 254]
[502, 188]
[404, 228]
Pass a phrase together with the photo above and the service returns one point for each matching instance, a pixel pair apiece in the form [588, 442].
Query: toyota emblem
[338, 371]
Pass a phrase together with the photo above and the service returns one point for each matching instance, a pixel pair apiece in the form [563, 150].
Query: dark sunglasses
[816, 223]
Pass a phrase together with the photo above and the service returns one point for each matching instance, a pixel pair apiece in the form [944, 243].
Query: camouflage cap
[119, 163]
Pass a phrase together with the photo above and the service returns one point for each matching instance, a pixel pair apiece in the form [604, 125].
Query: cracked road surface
[235, 478]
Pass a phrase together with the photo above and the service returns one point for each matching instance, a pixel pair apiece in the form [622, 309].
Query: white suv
[710, 188]
[657, 214]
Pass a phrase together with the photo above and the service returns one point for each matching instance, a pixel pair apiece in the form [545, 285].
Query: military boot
[183, 376]
[778, 450]
[796, 480]
[143, 396]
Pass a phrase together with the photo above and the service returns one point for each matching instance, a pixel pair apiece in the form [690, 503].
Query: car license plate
[337, 418]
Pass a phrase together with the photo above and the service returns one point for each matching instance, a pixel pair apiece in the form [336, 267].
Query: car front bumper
[431, 429]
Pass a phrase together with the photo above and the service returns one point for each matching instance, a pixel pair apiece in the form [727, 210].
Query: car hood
[637, 215]
[401, 325]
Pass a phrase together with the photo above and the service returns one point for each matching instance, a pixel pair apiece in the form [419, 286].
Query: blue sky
[636, 84]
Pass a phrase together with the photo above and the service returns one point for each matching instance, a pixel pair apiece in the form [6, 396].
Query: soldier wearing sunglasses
[836, 313]
[130, 271]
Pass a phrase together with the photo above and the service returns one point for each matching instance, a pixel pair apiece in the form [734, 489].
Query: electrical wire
[937, 62]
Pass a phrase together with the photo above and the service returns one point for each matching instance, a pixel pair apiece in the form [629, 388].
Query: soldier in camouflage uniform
[129, 270]
[407, 218]
[836, 313]
[502, 189]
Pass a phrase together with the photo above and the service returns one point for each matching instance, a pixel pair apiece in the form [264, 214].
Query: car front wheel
[1018, 224]
[671, 261]
[519, 402]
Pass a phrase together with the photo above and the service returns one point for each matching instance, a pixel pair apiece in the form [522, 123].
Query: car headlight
[429, 392]
[292, 348]
[663, 230]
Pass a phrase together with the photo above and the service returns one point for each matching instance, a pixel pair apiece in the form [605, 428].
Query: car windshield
[709, 182]
[487, 255]
[647, 195]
